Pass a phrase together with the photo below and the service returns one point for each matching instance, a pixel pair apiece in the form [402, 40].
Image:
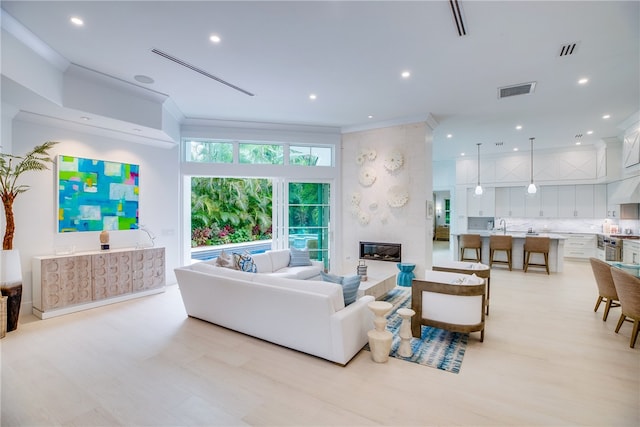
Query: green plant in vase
[11, 168]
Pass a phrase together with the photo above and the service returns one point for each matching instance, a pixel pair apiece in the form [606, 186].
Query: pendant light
[478, 187]
[532, 187]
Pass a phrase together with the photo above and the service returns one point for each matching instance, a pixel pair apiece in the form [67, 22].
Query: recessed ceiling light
[370, 116]
[462, 154]
[583, 81]
[515, 149]
[589, 132]
[77, 21]
[143, 79]
[406, 74]
[449, 135]
[606, 116]
[215, 38]
[312, 97]
[85, 118]
[519, 127]
[137, 130]
[578, 142]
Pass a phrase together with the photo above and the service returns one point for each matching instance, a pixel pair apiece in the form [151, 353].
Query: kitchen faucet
[503, 226]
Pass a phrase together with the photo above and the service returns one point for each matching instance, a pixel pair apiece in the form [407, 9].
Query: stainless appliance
[612, 248]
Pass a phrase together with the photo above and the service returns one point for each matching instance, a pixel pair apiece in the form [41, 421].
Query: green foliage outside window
[230, 210]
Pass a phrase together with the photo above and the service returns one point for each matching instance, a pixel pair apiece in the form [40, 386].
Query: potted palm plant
[11, 168]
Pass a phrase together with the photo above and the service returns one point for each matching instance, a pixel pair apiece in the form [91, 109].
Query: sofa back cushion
[225, 260]
[279, 258]
[263, 262]
[332, 290]
[207, 268]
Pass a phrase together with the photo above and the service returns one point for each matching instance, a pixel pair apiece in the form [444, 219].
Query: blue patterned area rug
[436, 348]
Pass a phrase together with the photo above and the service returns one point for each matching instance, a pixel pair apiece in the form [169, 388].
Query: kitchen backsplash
[568, 225]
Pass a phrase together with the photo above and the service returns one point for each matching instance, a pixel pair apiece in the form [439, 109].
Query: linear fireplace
[381, 251]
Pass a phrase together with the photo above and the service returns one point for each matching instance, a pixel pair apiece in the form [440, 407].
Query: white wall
[35, 210]
[407, 225]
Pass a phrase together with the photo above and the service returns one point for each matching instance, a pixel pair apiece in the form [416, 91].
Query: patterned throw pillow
[299, 258]
[244, 262]
[350, 285]
[225, 260]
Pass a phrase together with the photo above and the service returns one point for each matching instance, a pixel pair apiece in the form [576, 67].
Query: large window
[230, 210]
[309, 206]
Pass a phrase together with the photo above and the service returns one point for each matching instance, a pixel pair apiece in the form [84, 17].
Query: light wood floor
[547, 359]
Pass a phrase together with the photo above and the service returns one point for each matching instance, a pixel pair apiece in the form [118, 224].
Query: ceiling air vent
[520, 89]
[568, 49]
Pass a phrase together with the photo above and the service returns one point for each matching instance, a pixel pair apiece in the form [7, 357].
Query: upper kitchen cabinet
[543, 204]
[510, 202]
[481, 205]
[576, 201]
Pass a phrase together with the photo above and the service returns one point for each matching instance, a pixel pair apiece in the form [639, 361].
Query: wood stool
[538, 245]
[500, 243]
[470, 241]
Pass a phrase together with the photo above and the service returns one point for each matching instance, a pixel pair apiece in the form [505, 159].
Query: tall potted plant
[11, 168]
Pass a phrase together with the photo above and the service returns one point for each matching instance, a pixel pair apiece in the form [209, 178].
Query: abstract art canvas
[96, 195]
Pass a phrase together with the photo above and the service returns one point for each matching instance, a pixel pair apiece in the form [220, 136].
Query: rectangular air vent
[519, 89]
[568, 49]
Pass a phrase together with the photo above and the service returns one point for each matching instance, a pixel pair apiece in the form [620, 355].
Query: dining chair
[606, 287]
[628, 289]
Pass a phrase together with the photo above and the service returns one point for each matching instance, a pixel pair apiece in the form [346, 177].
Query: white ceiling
[351, 55]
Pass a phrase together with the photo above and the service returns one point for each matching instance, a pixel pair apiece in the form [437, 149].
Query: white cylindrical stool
[405, 332]
[379, 338]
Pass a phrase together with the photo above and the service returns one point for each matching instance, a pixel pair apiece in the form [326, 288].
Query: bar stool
[500, 243]
[470, 241]
[539, 245]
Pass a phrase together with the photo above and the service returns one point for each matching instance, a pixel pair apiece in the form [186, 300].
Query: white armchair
[450, 301]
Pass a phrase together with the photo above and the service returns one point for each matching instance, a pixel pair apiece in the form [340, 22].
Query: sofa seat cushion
[301, 273]
[332, 290]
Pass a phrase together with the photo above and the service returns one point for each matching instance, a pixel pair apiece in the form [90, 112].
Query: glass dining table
[629, 268]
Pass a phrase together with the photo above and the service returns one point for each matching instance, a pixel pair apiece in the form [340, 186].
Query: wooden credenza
[442, 232]
[67, 283]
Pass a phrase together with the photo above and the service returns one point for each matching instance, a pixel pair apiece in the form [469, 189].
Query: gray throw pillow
[299, 258]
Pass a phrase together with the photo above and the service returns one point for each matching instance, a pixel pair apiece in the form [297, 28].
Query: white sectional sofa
[276, 263]
[305, 315]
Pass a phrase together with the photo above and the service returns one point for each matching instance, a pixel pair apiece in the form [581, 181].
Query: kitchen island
[556, 249]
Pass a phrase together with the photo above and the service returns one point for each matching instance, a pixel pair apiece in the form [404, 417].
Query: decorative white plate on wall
[397, 196]
[367, 176]
[394, 161]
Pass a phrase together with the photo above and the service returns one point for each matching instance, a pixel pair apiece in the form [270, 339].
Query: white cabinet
[481, 205]
[510, 202]
[542, 204]
[631, 251]
[580, 246]
[600, 201]
[576, 201]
